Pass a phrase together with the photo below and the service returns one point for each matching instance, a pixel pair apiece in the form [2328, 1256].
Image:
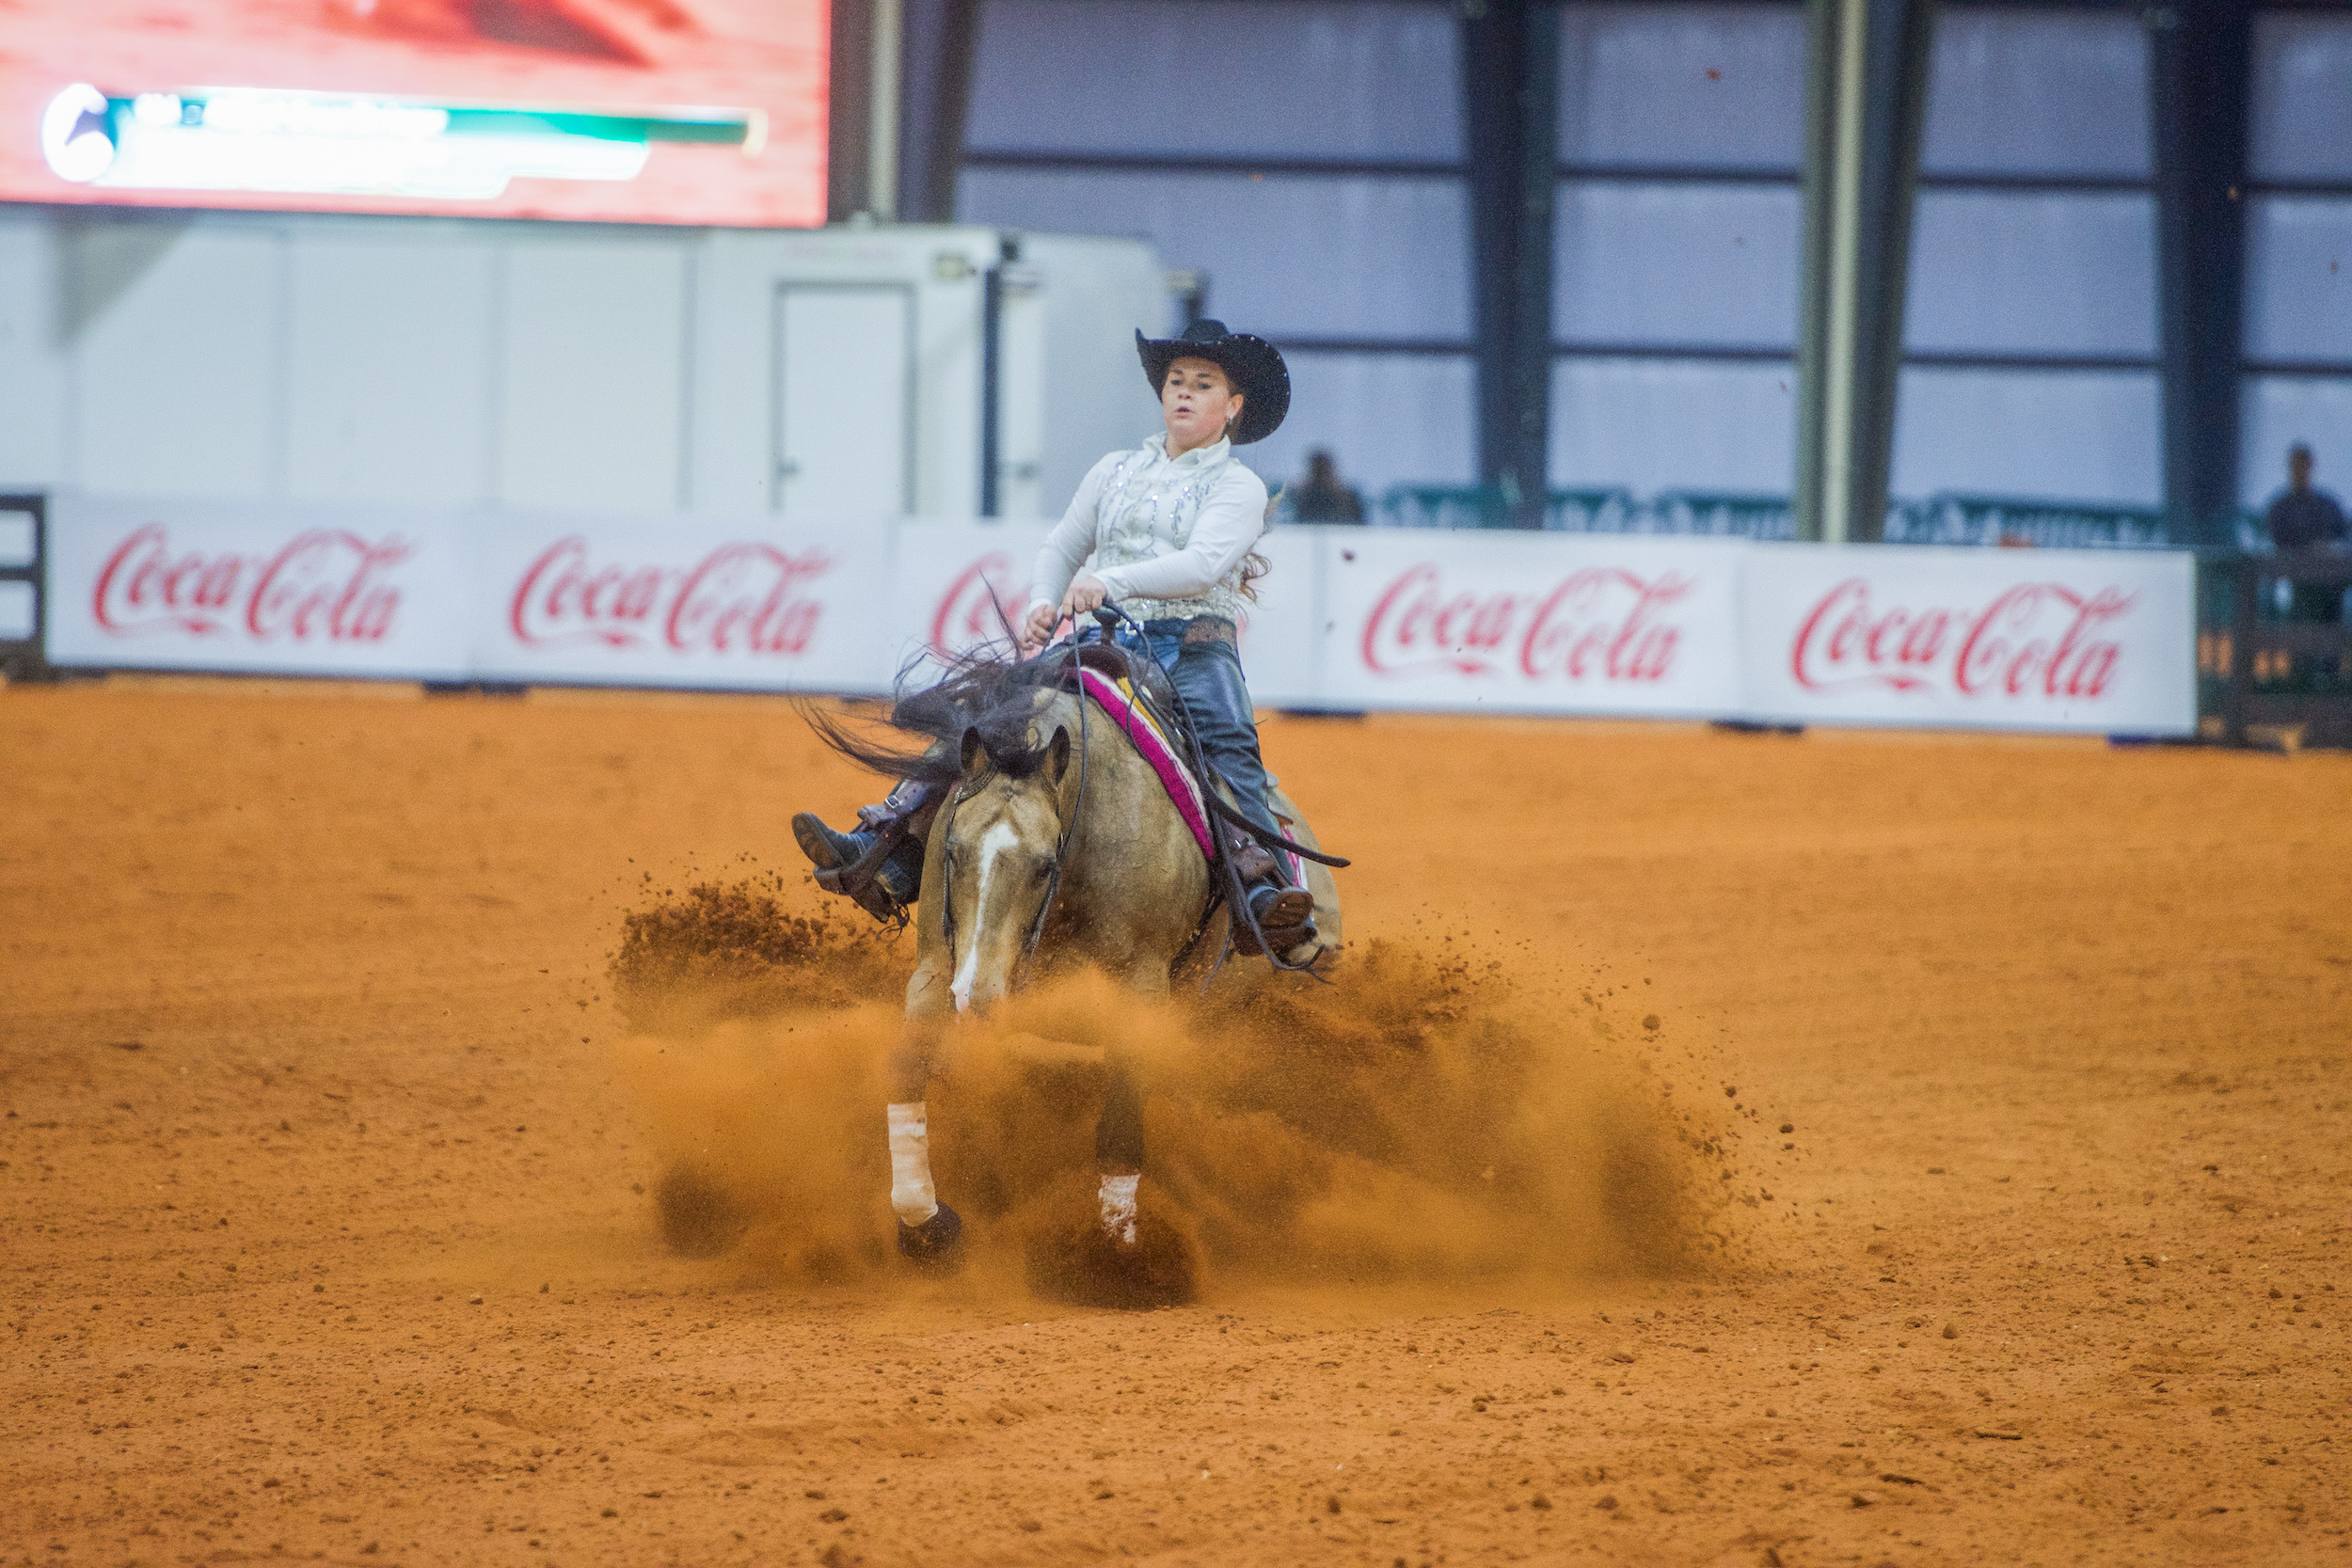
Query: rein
[1237, 897]
[1069, 830]
[1234, 895]
[1061, 854]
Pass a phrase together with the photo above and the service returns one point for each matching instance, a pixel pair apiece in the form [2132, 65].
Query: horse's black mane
[990, 689]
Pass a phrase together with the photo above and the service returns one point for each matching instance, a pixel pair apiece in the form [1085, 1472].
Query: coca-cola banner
[634, 601]
[2053, 639]
[2100, 641]
[224, 585]
[1282, 640]
[957, 585]
[1523, 623]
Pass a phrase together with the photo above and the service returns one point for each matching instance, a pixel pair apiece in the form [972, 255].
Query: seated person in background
[2300, 517]
[1323, 497]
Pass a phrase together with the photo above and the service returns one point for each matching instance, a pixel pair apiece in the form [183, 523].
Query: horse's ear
[972, 746]
[1057, 755]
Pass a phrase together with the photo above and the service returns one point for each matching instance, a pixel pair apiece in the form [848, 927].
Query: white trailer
[952, 371]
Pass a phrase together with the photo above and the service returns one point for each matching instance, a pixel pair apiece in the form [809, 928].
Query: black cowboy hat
[1255, 365]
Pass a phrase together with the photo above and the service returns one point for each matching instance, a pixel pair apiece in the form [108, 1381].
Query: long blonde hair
[1254, 565]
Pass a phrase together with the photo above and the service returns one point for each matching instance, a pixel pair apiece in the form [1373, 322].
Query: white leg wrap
[1119, 1208]
[911, 1192]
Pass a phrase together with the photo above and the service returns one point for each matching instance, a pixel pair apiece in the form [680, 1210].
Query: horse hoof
[935, 1243]
[1086, 1266]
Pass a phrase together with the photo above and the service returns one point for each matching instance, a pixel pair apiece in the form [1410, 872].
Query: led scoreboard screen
[661, 111]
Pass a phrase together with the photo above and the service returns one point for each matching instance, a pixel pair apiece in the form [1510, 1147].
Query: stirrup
[857, 879]
[1288, 921]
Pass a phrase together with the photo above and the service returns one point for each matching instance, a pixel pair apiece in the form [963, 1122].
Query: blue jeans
[1208, 677]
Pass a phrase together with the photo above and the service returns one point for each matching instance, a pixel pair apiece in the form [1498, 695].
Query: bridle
[1052, 878]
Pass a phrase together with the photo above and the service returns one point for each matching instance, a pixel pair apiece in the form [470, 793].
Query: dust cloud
[1440, 1113]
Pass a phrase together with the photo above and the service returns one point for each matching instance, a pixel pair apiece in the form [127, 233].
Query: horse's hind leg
[1119, 1146]
[1119, 1135]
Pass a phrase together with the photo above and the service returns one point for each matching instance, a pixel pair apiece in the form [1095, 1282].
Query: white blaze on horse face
[1119, 1208]
[911, 1192]
[1000, 837]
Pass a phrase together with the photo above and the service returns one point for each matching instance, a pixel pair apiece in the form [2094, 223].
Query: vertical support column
[934, 100]
[992, 375]
[862, 127]
[1865, 102]
[1510, 109]
[881, 139]
[849, 171]
[2200, 54]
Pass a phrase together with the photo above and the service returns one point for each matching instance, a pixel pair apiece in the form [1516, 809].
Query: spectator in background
[2303, 520]
[2300, 517]
[1323, 497]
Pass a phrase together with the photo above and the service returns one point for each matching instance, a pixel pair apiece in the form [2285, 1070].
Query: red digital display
[659, 111]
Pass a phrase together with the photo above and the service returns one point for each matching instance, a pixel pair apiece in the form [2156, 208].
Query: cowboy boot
[1284, 912]
[856, 866]
[879, 865]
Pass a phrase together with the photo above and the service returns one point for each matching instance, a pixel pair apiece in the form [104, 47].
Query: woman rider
[1169, 528]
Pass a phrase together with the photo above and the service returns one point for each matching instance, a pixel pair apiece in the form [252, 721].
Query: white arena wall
[1349, 618]
[487, 365]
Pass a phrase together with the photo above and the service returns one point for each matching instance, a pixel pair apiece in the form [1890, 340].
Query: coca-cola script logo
[983, 602]
[744, 596]
[1601, 623]
[2041, 639]
[324, 585]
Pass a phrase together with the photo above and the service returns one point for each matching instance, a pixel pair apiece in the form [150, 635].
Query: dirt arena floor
[1995, 1093]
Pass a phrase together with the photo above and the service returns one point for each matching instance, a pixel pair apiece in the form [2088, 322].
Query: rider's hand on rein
[1086, 593]
[1038, 629]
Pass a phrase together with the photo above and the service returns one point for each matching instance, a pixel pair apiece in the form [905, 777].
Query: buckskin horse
[1061, 839]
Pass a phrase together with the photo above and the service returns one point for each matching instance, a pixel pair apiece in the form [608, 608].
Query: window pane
[2281, 410]
[1721, 85]
[2090, 435]
[2302, 109]
[1216, 78]
[2038, 92]
[1685, 264]
[1286, 255]
[2000, 272]
[1385, 419]
[1652, 425]
[2298, 278]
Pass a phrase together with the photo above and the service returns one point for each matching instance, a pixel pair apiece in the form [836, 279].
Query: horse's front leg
[929, 1230]
[1119, 1135]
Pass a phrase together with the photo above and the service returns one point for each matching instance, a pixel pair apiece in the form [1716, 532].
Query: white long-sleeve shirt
[1167, 535]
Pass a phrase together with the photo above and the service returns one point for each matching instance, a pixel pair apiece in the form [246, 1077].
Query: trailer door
[845, 400]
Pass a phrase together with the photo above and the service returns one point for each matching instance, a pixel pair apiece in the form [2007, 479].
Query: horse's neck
[1116, 774]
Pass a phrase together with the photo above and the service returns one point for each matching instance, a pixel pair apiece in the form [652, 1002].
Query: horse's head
[1004, 832]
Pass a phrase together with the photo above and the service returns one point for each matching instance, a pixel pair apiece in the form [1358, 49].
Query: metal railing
[24, 541]
[1946, 517]
[2274, 644]
[1950, 518]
